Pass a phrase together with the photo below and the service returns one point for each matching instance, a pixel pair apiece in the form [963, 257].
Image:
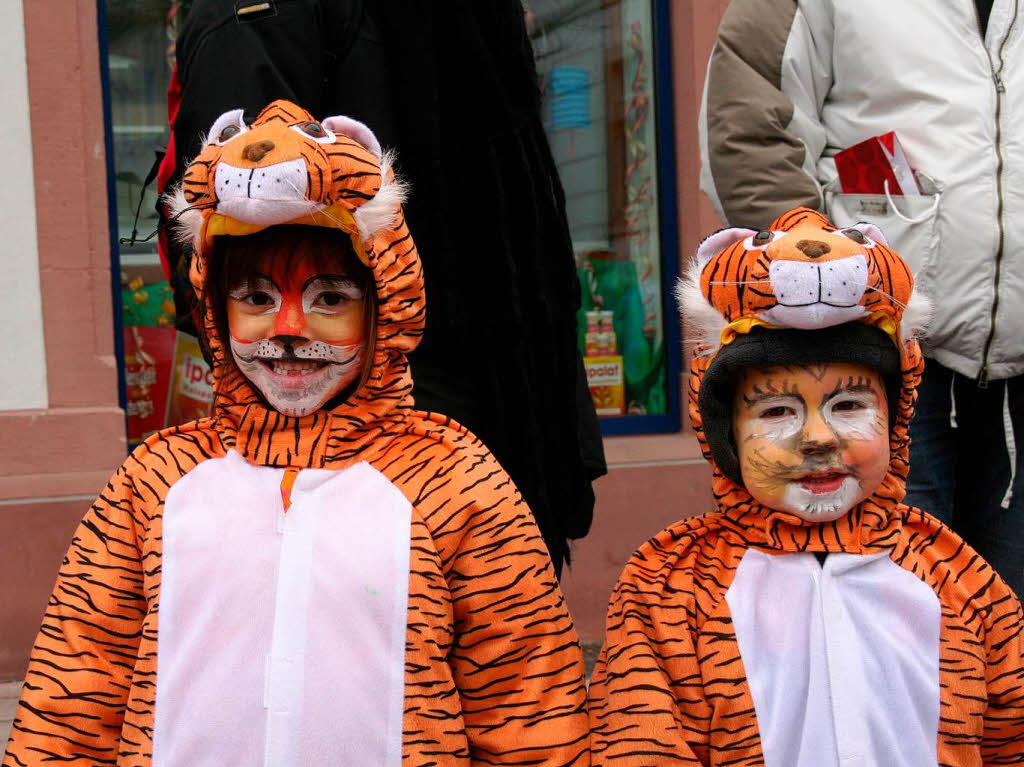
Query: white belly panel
[842, 659]
[281, 635]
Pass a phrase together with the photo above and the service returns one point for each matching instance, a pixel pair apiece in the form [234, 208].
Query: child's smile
[811, 439]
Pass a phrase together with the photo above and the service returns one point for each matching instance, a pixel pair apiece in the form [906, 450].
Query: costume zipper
[1000, 87]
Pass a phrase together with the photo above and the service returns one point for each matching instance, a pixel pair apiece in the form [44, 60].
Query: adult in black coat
[453, 87]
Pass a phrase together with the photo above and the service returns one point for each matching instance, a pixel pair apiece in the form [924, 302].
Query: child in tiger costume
[318, 574]
[812, 620]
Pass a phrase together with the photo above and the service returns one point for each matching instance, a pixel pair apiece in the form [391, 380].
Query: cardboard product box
[606, 380]
[190, 396]
[148, 355]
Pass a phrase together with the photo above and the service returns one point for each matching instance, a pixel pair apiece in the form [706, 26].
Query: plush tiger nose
[813, 248]
[255, 152]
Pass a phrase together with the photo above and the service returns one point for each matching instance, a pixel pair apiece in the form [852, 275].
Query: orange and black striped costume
[686, 676]
[363, 585]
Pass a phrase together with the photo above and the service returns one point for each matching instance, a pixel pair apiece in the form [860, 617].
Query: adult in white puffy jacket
[792, 82]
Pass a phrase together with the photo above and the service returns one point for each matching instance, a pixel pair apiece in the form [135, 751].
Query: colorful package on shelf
[602, 365]
[606, 383]
[148, 357]
[611, 332]
[865, 168]
[146, 304]
[191, 392]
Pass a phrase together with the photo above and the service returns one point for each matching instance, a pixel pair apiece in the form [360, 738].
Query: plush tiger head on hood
[287, 168]
[801, 272]
[800, 292]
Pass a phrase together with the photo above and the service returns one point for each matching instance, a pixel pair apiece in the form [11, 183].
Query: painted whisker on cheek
[769, 472]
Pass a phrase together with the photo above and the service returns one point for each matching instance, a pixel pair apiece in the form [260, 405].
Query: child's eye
[848, 405]
[778, 411]
[330, 299]
[259, 298]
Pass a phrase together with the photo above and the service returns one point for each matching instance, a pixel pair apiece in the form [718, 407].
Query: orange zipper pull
[287, 482]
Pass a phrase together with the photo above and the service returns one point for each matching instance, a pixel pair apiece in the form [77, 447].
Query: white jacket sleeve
[761, 134]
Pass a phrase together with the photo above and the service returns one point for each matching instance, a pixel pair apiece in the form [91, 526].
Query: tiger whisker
[163, 224]
[340, 224]
[314, 210]
[292, 184]
[891, 298]
[183, 211]
[739, 282]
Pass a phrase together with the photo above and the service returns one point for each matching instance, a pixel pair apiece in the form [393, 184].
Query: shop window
[166, 379]
[602, 72]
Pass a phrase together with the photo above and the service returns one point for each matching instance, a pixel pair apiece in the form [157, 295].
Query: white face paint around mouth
[299, 383]
[820, 507]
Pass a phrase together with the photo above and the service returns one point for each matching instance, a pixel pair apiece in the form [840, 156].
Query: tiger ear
[702, 322]
[715, 243]
[872, 231]
[233, 118]
[355, 130]
[382, 211]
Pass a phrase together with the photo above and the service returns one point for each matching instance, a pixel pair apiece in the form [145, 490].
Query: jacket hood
[288, 168]
[802, 273]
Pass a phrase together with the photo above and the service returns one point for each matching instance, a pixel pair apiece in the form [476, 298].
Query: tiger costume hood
[361, 585]
[801, 291]
[288, 168]
[754, 637]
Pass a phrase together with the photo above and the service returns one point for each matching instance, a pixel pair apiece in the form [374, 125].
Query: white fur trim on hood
[185, 222]
[381, 212]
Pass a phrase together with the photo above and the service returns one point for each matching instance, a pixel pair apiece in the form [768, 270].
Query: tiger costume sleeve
[665, 718]
[76, 688]
[1003, 738]
[515, 657]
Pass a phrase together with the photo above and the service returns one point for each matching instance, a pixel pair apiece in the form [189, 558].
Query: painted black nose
[290, 342]
[255, 152]
[813, 248]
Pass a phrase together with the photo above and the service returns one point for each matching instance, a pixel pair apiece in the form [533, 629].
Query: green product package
[608, 282]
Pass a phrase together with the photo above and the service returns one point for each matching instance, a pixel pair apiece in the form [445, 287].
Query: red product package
[191, 391]
[148, 354]
[865, 168]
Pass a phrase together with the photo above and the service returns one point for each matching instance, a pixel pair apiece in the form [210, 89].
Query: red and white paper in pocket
[871, 166]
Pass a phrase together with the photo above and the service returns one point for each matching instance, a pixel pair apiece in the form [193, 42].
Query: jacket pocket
[909, 222]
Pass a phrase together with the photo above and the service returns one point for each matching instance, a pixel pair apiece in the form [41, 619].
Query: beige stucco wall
[22, 352]
[60, 445]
